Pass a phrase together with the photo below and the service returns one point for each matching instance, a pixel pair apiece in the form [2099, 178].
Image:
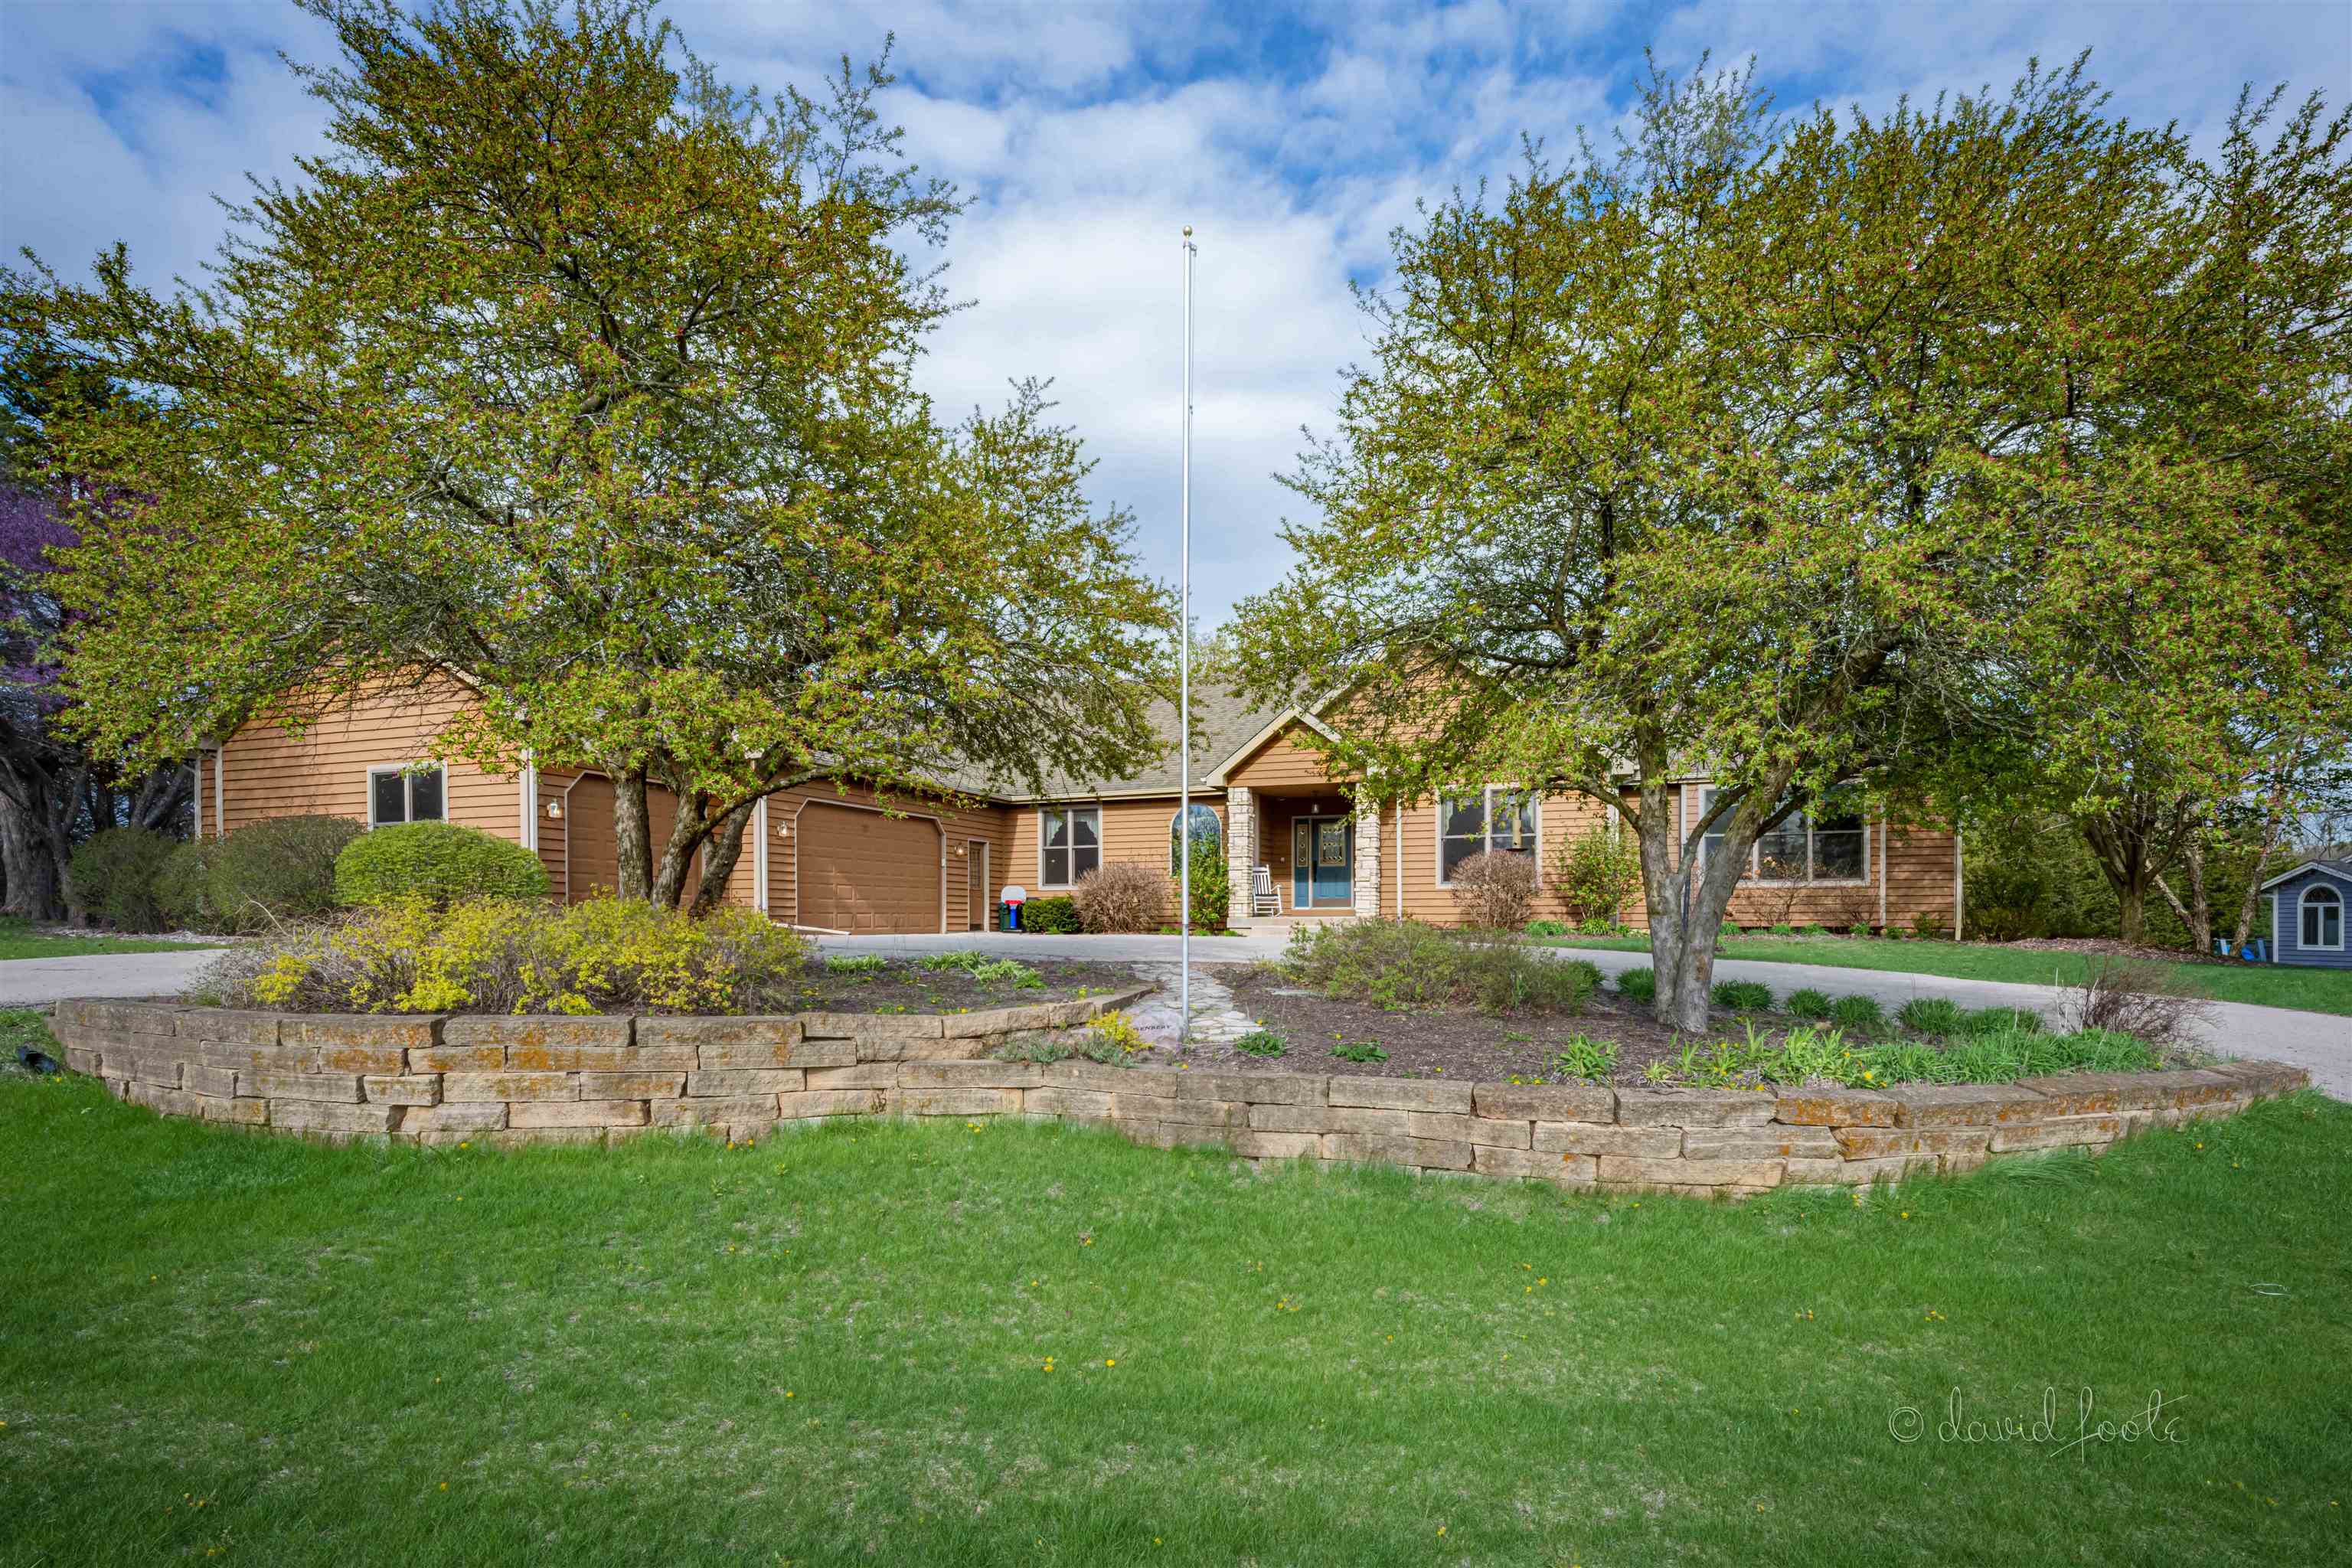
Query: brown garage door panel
[863, 871]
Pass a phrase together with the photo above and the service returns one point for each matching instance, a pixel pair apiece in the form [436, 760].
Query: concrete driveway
[36, 981]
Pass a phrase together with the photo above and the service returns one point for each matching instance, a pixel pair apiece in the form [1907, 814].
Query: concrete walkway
[2321, 1042]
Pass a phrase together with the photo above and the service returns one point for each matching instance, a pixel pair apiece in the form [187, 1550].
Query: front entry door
[1323, 862]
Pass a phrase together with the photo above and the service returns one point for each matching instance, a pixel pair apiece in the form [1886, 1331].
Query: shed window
[1070, 843]
[412, 794]
[2322, 918]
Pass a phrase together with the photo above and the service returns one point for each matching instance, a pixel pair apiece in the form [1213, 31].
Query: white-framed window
[1499, 818]
[1206, 829]
[1828, 843]
[2320, 917]
[406, 792]
[1069, 844]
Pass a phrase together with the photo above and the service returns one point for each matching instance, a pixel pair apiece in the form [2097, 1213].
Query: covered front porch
[1320, 857]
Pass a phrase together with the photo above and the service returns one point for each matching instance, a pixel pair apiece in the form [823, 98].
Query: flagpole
[1184, 681]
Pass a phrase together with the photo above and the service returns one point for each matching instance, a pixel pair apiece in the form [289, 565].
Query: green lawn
[19, 940]
[834, 1348]
[2270, 985]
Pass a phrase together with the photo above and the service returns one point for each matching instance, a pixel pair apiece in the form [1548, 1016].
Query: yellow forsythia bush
[500, 955]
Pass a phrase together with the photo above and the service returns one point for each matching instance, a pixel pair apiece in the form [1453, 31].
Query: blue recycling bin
[1009, 917]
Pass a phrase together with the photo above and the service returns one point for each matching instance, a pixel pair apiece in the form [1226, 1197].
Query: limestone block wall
[541, 1079]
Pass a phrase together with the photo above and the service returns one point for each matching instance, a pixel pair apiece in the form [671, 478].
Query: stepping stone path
[1215, 1016]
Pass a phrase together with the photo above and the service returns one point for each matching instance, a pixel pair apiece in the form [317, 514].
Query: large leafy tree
[1806, 456]
[574, 376]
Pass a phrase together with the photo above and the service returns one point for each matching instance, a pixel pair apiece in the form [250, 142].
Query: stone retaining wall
[542, 1080]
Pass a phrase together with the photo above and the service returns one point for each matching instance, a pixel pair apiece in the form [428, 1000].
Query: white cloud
[1084, 134]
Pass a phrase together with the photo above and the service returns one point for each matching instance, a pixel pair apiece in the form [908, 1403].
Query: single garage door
[863, 871]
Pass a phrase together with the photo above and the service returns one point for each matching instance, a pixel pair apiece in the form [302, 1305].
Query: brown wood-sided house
[833, 856]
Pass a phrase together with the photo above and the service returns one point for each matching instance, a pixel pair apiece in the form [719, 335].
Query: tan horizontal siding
[268, 771]
[1287, 760]
[1134, 831]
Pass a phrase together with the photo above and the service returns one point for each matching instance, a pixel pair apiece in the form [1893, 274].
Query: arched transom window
[1206, 829]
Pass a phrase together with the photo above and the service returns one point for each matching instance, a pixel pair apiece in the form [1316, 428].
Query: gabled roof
[1273, 727]
[2339, 870]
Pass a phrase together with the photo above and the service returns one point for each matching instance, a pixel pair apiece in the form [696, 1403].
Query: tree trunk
[1688, 898]
[686, 832]
[35, 883]
[725, 848]
[2197, 914]
[633, 835]
[2135, 844]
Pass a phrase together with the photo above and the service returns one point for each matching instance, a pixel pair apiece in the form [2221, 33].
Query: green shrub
[1213, 884]
[1742, 995]
[1595, 872]
[1547, 927]
[281, 869]
[184, 887]
[112, 878]
[1638, 984]
[1807, 1003]
[2002, 1021]
[1784, 929]
[440, 862]
[508, 955]
[1051, 917]
[1261, 1042]
[1929, 927]
[1930, 1015]
[1857, 1013]
[1397, 963]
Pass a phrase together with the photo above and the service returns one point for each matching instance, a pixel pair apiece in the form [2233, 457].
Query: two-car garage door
[863, 871]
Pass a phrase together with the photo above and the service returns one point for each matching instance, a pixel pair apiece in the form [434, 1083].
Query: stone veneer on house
[545, 1080]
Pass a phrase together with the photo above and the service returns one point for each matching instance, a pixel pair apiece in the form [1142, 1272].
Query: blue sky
[1293, 137]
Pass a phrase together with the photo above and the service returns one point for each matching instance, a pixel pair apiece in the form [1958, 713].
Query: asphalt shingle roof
[1222, 720]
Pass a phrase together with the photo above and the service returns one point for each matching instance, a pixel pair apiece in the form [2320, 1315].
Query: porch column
[1367, 859]
[1240, 854]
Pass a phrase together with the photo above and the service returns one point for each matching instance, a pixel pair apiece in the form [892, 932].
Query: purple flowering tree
[52, 795]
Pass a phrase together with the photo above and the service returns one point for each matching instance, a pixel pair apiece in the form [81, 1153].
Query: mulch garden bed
[904, 985]
[2108, 947]
[1445, 1042]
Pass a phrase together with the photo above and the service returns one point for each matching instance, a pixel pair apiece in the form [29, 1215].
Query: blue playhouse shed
[2311, 914]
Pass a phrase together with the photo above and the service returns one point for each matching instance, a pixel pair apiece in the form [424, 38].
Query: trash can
[1008, 917]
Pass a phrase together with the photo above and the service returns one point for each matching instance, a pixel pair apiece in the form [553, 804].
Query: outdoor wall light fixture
[554, 810]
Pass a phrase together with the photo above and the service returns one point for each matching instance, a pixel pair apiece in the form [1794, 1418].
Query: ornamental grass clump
[502, 955]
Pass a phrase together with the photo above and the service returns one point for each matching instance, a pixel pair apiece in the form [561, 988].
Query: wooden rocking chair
[1266, 899]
